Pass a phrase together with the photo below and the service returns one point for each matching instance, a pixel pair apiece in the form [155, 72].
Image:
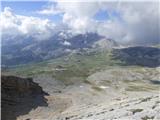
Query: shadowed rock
[141, 56]
[19, 96]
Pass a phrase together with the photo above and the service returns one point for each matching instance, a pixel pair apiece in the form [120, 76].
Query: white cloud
[137, 22]
[78, 15]
[49, 10]
[141, 22]
[66, 43]
[111, 29]
[17, 25]
[81, 24]
[78, 8]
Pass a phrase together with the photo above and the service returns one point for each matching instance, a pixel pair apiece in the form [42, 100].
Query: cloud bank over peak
[18, 25]
[125, 22]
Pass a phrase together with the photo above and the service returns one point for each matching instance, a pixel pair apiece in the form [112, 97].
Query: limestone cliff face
[19, 96]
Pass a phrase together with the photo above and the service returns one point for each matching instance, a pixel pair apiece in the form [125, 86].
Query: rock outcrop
[19, 96]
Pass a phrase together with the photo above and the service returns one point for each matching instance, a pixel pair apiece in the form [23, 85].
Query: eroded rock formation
[19, 96]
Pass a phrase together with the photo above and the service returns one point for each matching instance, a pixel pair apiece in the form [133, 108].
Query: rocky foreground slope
[94, 86]
[134, 96]
[22, 99]
[19, 96]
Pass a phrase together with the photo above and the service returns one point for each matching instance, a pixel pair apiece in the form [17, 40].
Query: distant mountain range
[23, 50]
[139, 55]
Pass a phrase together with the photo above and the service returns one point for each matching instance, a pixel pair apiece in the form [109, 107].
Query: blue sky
[24, 8]
[121, 21]
[29, 8]
[101, 15]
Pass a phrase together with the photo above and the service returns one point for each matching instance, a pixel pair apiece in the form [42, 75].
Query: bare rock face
[19, 96]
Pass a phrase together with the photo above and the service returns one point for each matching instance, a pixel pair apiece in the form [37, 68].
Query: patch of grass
[146, 99]
[147, 118]
[132, 81]
[87, 82]
[106, 83]
[136, 110]
[157, 46]
[97, 88]
[140, 86]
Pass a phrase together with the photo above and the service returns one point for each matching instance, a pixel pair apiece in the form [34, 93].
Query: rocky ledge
[19, 96]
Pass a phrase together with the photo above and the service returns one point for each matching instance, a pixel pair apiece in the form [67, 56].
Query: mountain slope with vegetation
[17, 52]
[97, 84]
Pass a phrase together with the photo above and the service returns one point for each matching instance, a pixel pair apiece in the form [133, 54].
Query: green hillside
[77, 66]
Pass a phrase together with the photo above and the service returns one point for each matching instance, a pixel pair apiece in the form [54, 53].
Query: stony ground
[129, 95]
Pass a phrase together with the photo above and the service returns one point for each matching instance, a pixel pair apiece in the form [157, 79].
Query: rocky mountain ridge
[27, 50]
